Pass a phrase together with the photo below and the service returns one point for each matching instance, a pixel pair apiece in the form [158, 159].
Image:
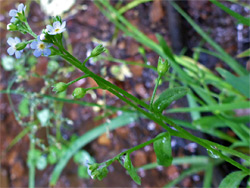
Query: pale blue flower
[57, 28]
[40, 47]
[13, 12]
[12, 49]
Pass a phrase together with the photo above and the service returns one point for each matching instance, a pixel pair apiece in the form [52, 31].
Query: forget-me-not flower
[13, 12]
[57, 28]
[40, 47]
[12, 49]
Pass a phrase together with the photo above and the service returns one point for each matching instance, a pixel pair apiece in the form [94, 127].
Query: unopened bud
[79, 93]
[162, 67]
[12, 27]
[21, 16]
[97, 50]
[60, 87]
[21, 45]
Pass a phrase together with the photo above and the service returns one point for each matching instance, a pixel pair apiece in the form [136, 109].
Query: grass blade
[227, 58]
[87, 138]
[241, 19]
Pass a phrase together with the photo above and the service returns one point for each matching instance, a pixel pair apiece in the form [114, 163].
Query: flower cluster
[42, 43]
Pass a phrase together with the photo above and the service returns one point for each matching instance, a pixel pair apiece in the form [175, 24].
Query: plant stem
[157, 117]
[73, 81]
[156, 86]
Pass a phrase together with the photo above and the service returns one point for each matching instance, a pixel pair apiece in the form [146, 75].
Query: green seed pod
[60, 87]
[21, 45]
[79, 93]
[162, 67]
[97, 50]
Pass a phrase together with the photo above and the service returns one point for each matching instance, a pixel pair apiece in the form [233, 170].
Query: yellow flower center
[56, 30]
[41, 46]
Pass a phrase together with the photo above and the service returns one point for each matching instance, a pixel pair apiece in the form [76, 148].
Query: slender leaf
[227, 58]
[131, 170]
[163, 150]
[87, 138]
[242, 83]
[241, 19]
[215, 107]
[232, 180]
[208, 176]
[168, 96]
[246, 53]
[190, 171]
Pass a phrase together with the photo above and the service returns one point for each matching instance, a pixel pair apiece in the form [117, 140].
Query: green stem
[156, 86]
[32, 162]
[158, 118]
[117, 157]
[73, 81]
[92, 88]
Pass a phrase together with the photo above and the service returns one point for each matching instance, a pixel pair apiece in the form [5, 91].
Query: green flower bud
[21, 45]
[21, 16]
[162, 67]
[60, 87]
[97, 50]
[12, 27]
[79, 93]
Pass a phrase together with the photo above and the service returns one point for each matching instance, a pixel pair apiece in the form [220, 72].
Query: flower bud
[21, 45]
[162, 67]
[21, 16]
[12, 27]
[79, 93]
[60, 87]
[97, 50]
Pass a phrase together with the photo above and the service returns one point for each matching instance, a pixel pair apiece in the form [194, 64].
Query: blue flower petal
[18, 54]
[33, 45]
[11, 41]
[49, 28]
[13, 19]
[47, 52]
[11, 51]
[56, 24]
[37, 53]
[20, 7]
[17, 40]
[49, 45]
[63, 25]
[12, 12]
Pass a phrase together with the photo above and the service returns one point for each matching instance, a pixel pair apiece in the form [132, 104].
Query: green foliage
[168, 96]
[23, 107]
[232, 180]
[163, 149]
[187, 76]
[241, 19]
[131, 169]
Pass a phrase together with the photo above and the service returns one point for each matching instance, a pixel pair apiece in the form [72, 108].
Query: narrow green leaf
[232, 180]
[209, 122]
[227, 58]
[168, 96]
[215, 107]
[89, 136]
[241, 19]
[190, 171]
[208, 176]
[163, 150]
[246, 53]
[23, 107]
[131, 170]
[242, 83]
